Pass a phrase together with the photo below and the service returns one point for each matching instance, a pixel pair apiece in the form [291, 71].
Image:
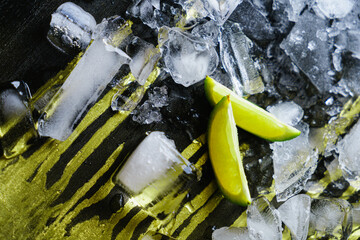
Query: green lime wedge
[249, 116]
[225, 155]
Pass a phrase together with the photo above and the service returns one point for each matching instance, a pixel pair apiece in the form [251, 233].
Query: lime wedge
[225, 154]
[250, 117]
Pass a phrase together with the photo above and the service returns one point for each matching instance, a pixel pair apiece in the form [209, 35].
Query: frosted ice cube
[293, 8]
[188, 58]
[144, 57]
[330, 218]
[220, 10]
[235, 53]
[288, 112]
[89, 78]
[333, 8]
[294, 162]
[353, 42]
[152, 159]
[295, 213]
[314, 61]
[71, 28]
[263, 220]
[349, 153]
[230, 233]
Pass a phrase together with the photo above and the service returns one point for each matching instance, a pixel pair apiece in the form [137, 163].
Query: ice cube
[238, 61]
[220, 10]
[252, 22]
[330, 218]
[293, 8]
[294, 162]
[152, 159]
[89, 78]
[288, 112]
[349, 153]
[351, 75]
[188, 58]
[333, 8]
[208, 31]
[295, 213]
[308, 52]
[144, 57]
[230, 233]
[353, 42]
[263, 220]
[16, 122]
[71, 28]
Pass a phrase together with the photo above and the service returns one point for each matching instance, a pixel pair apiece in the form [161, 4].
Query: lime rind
[225, 154]
[249, 116]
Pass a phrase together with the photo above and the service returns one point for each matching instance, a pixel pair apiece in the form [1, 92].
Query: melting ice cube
[308, 51]
[294, 162]
[89, 78]
[71, 28]
[263, 220]
[230, 233]
[295, 213]
[15, 120]
[330, 218]
[188, 58]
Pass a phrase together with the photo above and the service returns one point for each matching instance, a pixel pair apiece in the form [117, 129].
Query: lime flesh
[249, 116]
[225, 154]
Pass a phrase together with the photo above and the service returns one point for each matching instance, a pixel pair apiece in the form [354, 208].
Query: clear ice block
[220, 10]
[330, 219]
[294, 162]
[188, 58]
[156, 169]
[293, 8]
[349, 153]
[263, 221]
[89, 78]
[235, 53]
[230, 233]
[309, 52]
[71, 28]
[144, 57]
[295, 213]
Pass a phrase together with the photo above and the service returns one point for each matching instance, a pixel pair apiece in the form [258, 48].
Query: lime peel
[249, 116]
[225, 154]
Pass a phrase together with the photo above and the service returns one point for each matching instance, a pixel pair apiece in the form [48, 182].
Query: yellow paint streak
[128, 231]
[240, 221]
[190, 208]
[201, 215]
[63, 218]
[193, 147]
